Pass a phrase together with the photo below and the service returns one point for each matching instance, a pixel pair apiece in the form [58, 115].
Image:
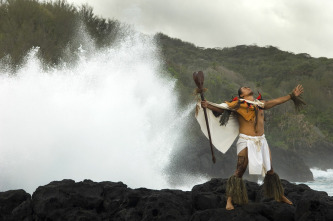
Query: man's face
[246, 91]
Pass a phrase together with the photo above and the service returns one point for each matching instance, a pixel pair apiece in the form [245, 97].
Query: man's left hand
[298, 90]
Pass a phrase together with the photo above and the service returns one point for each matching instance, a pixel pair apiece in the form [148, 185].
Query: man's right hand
[204, 104]
[298, 90]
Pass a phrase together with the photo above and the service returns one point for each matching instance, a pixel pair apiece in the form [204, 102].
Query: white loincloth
[222, 136]
[258, 153]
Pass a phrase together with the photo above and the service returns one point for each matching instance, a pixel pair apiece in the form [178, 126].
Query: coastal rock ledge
[88, 200]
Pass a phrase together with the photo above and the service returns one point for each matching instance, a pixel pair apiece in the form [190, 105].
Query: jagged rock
[15, 205]
[66, 199]
[88, 200]
[308, 204]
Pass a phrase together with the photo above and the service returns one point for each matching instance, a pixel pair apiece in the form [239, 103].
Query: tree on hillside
[51, 26]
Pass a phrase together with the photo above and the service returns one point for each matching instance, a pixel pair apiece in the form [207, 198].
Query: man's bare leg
[241, 167]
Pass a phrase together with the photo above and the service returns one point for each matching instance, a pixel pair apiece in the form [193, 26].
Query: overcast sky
[299, 26]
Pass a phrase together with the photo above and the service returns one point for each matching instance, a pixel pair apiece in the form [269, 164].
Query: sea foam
[322, 180]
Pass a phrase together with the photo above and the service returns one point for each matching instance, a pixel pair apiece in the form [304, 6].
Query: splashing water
[110, 117]
[322, 180]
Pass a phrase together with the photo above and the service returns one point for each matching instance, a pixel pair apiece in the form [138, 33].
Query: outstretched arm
[205, 104]
[298, 90]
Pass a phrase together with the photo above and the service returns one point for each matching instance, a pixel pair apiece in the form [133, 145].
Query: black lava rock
[88, 200]
[15, 205]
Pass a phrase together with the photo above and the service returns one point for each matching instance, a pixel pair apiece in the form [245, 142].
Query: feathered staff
[198, 78]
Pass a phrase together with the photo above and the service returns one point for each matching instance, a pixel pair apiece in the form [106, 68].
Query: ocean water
[323, 180]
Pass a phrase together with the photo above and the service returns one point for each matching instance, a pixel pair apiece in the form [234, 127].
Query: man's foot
[229, 205]
[285, 200]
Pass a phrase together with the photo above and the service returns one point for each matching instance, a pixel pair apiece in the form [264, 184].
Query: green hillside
[268, 70]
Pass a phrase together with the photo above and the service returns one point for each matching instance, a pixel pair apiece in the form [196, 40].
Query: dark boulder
[63, 200]
[15, 205]
[87, 200]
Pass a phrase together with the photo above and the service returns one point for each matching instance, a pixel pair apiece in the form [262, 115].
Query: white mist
[110, 117]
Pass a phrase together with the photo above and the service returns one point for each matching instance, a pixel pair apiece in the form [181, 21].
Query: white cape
[222, 136]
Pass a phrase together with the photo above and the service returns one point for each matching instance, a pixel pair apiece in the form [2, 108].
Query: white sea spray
[111, 116]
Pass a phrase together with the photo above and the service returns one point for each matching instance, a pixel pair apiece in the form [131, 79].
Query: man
[252, 147]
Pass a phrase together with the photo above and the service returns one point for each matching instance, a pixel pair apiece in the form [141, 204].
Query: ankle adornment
[236, 190]
[273, 187]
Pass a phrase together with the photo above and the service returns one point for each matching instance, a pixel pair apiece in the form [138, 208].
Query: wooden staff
[198, 78]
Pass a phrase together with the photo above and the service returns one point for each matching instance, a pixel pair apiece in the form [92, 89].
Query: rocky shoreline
[88, 200]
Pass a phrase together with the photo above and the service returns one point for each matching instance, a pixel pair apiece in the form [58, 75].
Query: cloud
[299, 26]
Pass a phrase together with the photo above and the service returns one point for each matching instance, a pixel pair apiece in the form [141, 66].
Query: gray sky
[299, 26]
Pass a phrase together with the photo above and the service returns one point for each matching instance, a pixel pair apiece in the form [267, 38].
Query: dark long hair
[239, 91]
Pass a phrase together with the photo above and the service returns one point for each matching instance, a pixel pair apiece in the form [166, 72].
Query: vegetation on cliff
[52, 26]
[268, 70]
